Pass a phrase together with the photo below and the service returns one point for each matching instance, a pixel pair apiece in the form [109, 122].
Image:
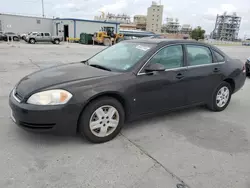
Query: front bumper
[58, 119]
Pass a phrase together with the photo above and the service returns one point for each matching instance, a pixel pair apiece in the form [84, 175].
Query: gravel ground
[201, 148]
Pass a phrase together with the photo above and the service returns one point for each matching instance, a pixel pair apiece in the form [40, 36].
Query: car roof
[164, 41]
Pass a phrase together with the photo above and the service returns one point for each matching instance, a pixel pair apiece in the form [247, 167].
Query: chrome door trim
[166, 70]
[205, 65]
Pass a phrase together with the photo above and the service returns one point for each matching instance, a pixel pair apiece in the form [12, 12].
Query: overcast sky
[194, 12]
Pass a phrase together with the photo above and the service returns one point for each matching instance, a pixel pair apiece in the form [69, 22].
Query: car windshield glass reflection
[120, 57]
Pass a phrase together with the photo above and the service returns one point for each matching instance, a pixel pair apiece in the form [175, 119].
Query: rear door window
[198, 55]
[218, 57]
[47, 34]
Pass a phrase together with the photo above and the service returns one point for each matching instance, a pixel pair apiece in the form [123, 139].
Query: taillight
[244, 68]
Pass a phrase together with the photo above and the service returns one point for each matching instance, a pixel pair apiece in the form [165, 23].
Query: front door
[39, 37]
[203, 73]
[163, 90]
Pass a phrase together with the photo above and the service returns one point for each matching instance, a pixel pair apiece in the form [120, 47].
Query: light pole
[43, 7]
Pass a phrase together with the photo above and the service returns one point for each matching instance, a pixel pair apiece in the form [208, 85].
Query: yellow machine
[107, 36]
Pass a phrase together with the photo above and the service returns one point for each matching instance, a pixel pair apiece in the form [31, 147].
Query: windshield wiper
[85, 62]
[100, 67]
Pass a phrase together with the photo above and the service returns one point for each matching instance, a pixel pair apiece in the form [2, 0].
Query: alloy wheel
[222, 97]
[104, 121]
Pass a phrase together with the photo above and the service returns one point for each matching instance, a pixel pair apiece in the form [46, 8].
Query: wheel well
[112, 95]
[231, 82]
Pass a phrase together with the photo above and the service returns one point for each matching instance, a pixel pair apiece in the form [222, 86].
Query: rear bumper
[61, 120]
[247, 68]
[239, 82]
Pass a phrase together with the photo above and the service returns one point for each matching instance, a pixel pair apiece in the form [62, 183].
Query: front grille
[37, 126]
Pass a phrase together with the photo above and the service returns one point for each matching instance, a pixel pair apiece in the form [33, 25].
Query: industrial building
[141, 22]
[123, 19]
[154, 17]
[24, 24]
[66, 27]
[72, 28]
[186, 29]
[172, 26]
[226, 27]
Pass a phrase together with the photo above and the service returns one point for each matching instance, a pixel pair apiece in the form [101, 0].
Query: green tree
[198, 33]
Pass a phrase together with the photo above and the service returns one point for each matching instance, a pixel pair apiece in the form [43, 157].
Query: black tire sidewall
[215, 107]
[33, 41]
[84, 128]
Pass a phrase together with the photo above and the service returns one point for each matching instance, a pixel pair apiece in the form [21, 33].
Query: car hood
[58, 75]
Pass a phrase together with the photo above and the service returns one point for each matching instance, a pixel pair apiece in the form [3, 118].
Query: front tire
[102, 120]
[221, 97]
[107, 42]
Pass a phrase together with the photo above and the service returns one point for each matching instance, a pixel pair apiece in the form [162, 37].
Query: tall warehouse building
[154, 17]
[227, 27]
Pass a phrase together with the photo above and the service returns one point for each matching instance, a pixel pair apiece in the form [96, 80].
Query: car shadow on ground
[199, 126]
[210, 130]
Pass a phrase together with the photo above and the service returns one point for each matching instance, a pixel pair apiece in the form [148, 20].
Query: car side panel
[202, 80]
[122, 85]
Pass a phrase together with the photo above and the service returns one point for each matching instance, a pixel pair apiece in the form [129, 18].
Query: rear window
[218, 57]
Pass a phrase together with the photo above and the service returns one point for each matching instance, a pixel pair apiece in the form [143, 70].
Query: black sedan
[248, 66]
[123, 82]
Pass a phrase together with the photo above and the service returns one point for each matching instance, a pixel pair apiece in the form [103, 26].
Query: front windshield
[121, 56]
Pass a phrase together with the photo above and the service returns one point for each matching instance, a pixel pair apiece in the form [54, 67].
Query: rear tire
[102, 120]
[107, 42]
[221, 97]
[56, 41]
[32, 41]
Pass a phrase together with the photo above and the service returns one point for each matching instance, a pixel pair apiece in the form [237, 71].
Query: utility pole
[43, 7]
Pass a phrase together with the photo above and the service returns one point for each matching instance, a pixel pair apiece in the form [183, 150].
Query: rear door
[204, 73]
[47, 37]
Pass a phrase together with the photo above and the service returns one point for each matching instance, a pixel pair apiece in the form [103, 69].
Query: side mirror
[154, 67]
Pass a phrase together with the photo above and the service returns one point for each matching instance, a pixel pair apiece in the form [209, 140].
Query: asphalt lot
[201, 148]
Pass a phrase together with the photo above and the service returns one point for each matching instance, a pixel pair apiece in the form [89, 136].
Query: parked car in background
[248, 66]
[10, 35]
[246, 42]
[35, 37]
[128, 80]
[1, 36]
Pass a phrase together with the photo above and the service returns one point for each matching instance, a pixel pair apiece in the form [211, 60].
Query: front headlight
[50, 97]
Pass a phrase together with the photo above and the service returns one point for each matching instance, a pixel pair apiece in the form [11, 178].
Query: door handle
[179, 76]
[216, 69]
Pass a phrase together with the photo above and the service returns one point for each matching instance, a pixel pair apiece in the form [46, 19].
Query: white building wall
[91, 27]
[61, 24]
[76, 27]
[24, 24]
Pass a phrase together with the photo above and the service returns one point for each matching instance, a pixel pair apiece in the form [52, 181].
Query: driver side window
[171, 57]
